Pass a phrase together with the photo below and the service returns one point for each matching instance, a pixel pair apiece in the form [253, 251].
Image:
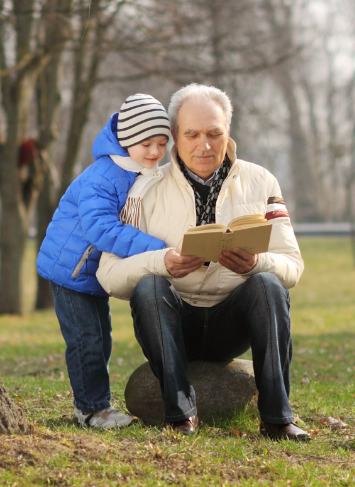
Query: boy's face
[149, 152]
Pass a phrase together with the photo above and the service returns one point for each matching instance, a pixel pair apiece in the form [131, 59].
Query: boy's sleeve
[98, 206]
[119, 277]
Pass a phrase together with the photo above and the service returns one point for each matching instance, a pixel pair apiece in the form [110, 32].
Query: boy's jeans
[172, 332]
[85, 323]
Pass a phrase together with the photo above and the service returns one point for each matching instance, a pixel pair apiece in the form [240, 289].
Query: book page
[207, 228]
[249, 225]
[254, 240]
[247, 220]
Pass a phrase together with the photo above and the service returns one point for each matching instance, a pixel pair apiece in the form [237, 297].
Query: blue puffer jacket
[86, 221]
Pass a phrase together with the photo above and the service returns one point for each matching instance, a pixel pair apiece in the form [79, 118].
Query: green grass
[227, 453]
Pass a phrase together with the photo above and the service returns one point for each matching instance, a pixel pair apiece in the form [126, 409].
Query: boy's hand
[181, 265]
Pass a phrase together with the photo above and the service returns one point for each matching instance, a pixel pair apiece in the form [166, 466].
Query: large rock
[221, 389]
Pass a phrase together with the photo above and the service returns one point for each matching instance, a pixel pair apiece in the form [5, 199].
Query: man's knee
[149, 285]
[268, 282]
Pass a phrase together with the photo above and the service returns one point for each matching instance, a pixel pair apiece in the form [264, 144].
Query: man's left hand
[238, 260]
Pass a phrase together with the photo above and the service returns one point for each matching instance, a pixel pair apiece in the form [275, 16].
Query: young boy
[87, 223]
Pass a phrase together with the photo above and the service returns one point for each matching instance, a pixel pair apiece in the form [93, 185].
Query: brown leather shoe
[289, 431]
[186, 427]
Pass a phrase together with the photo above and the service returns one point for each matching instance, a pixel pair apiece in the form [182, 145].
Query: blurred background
[66, 66]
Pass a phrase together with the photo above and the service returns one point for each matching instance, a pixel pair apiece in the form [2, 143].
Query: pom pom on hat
[141, 117]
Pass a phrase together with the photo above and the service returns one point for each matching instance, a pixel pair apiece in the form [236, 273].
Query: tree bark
[45, 209]
[12, 419]
[305, 185]
[82, 89]
[15, 216]
[11, 225]
[48, 99]
[306, 189]
[86, 65]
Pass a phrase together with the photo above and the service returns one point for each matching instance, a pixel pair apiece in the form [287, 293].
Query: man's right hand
[181, 265]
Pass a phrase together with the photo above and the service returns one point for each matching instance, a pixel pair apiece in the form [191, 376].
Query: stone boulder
[221, 389]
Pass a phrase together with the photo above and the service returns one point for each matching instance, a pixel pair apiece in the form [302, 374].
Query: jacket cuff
[257, 268]
[160, 267]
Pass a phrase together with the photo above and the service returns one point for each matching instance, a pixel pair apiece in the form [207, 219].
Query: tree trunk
[12, 419]
[48, 99]
[12, 233]
[305, 185]
[306, 189]
[45, 209]
[84, 83]
[15, 217]
[12, 250]
[82, 91]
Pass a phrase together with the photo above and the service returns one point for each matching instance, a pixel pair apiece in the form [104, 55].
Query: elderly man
[185, 309]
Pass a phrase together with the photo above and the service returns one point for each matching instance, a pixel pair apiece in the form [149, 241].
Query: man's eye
[214, 136]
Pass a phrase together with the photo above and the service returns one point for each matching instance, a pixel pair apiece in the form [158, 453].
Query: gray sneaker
[107, 418]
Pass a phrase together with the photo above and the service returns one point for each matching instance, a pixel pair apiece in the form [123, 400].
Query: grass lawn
[226, 453]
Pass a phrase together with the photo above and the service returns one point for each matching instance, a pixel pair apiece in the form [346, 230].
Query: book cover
[249, 232]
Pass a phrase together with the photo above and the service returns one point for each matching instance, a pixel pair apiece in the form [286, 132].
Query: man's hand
[238, 260]
[181, 265]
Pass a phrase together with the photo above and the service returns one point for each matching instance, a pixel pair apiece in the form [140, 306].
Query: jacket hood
[106, 142]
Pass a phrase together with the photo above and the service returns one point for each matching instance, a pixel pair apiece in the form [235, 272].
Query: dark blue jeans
[172, 333]
[85, 323]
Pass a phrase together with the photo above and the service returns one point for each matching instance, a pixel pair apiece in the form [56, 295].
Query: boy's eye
[145, 145]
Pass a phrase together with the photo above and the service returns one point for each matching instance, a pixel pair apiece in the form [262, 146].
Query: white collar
[129, 164]
[194, 176]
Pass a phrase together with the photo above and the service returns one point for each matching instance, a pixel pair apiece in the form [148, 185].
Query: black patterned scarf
[207, 213]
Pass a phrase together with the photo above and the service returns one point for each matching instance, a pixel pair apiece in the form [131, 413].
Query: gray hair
[199, 92]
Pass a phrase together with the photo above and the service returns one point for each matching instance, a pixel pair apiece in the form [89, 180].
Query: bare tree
[86, 31]
[56, 30]
[18, 78]
[306, 190]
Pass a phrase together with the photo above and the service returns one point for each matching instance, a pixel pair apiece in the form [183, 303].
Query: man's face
[202, 136]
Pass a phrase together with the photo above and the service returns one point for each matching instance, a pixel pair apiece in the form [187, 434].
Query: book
[247, 232]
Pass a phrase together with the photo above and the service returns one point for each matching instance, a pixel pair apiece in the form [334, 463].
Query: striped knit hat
[141, 117]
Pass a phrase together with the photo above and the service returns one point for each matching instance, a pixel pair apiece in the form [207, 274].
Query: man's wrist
[161, 262]
[253, 268]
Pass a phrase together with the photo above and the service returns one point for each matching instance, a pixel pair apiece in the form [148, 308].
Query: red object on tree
[27, 153]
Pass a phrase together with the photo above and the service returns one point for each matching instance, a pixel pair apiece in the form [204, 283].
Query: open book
[248, 232]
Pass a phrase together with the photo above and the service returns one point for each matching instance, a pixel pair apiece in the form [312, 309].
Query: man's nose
[204, 144]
